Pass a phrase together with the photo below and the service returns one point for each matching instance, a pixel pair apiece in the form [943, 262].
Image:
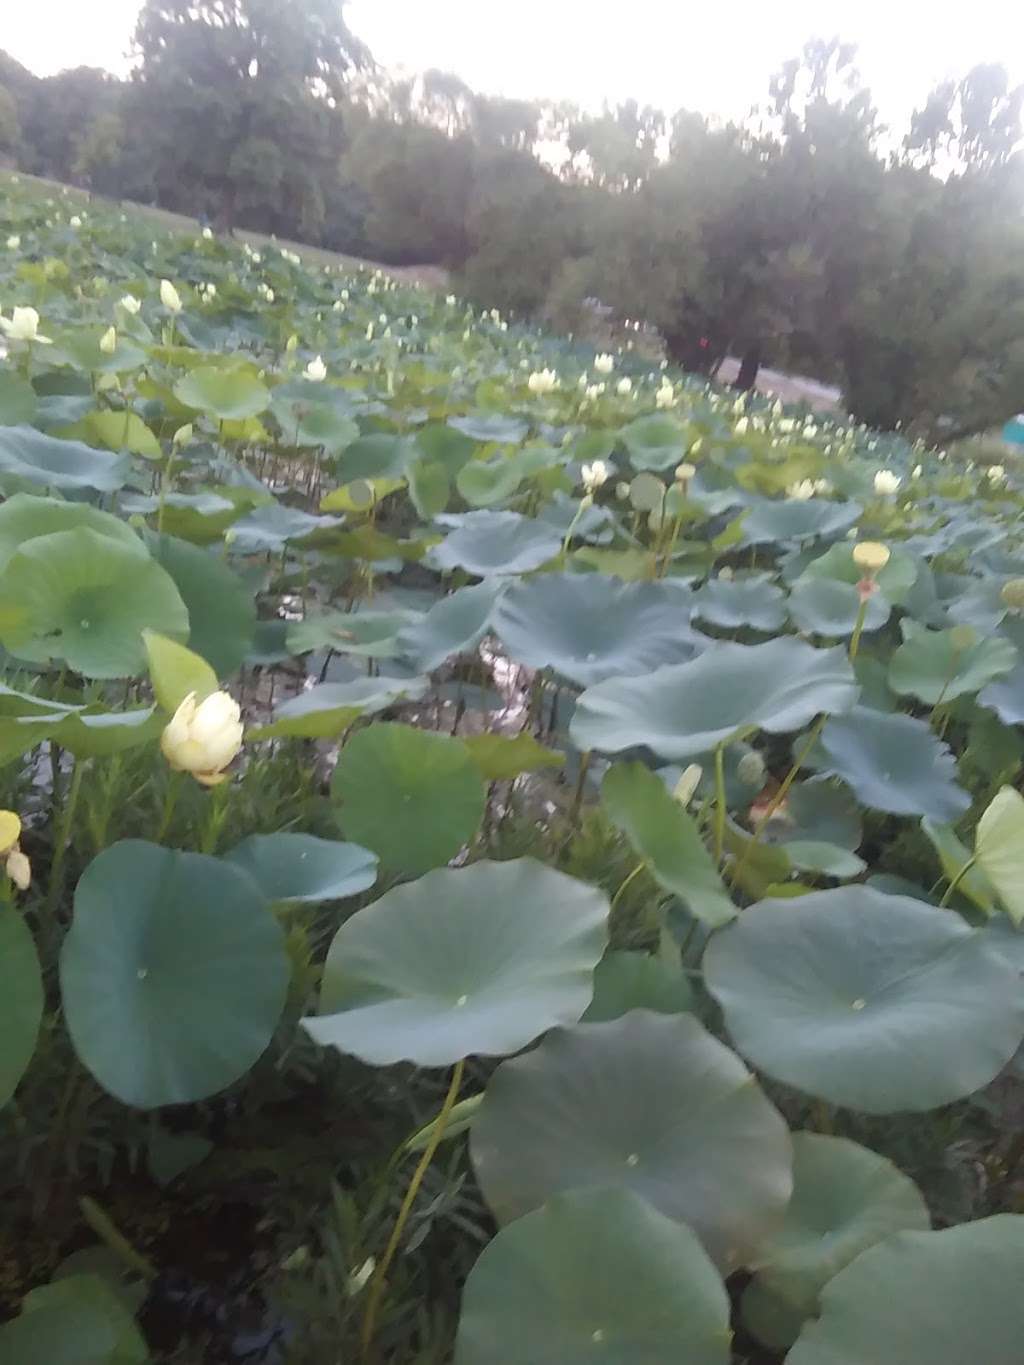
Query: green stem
[62, 835]
[111, 1236]
[858, 627]
[577, 800]
[380, 1275]
[215, 817]
[618, 895]
[170, 801]
[779, 796]
[719, 802]
[956, 881]
[165, 484]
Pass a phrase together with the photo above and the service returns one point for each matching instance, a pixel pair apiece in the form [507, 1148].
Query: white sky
[714, 57]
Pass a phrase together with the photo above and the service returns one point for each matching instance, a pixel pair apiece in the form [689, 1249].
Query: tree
[221, 80]
[10, 126]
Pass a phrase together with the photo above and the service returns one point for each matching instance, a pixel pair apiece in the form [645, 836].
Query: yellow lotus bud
[19, 869]
[869, 555]
[203, 739]
[685, 472]
[963, 637]
[688, 784]
[1012, 593]
[183, 435]
[292, 344]
[108, 341]
[169, 297]
[10, 830]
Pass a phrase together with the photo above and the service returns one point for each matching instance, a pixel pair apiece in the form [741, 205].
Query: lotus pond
[510, 855]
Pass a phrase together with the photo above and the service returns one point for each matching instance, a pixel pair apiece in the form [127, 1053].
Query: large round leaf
[925, 1298]
[655, 442]
[492, 543]
[589, 627]
[324, 712]
[999, 849]
[867, 1000]
[273, 526]
[596, 1275]
[845, 1199]
[828, 606]
[792, 519]
[893, 763]
[666, 837]
[76, 1320]
[412, 796]
[173, 973]
[637, 981]
[455, 624]
[86, 598]
[1006, 697]
[368, 634]
[26, 516]
[21, 999]
[479, 960]
[221, 608]
[752, 602]
[685, 709]
[649, 1102]
[50, 463]
[297, 868]
[936, 665]
[227, 395]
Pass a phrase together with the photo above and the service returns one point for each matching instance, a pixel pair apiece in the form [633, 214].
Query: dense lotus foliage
[564, 812]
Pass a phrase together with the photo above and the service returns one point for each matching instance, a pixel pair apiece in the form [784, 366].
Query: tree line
[809, 235]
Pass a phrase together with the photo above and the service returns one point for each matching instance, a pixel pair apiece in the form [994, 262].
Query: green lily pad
[830, 607]
[667, 839]
[452, 626]
[301, 869]
[682, 710]
[21, 999]
[893, 763]
[305, 421]
[176, 672]
[925, 1298]
[379, 456]
[1006, 697]
[273, 526]
[368, 634]
[845, 1199]
[894, 581]
[488, 544]
[102, 733]
[326, 711]
[871, 1001]
[173, 973]
[809, 855]
[26, 515]
[121, 431]
[655, 442]
[954, 857]
[500, 758]
[221, 607]
[936, 665]
[479, 960]
[775, 522]
[414, 797]
[652, 1103]
[485, 483]
[227, 395]
[77, 1320]
[589, 627]
[86, 598]
[754, 602]
[595, 1274]
[499, 427]
[637, 981]
[51, 463]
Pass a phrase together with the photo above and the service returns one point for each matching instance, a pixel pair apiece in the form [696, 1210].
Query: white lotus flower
[624, 388]
[916, 472]
[542, 381]
[604, 364]
[169, 297]
[13, 242]
[995, 473]
[108, 341]
[316, 370]
[886, 482]
[594, 392]
[802, 490]
[203, 739]
[594, 475]
[207, 234]
[666, 396]
[131, 304]
[23, 325]
[74, 221]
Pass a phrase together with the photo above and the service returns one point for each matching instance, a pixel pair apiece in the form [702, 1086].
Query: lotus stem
[957, 879]
[719, 802]
[380, 1276]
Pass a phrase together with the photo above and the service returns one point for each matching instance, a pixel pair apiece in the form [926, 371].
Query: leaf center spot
[632, 1159]
[462, 1000]
[597, 1335]
[142, 973]
[858, 1004]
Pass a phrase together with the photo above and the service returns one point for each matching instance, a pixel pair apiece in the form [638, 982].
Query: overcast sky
[671, 53]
